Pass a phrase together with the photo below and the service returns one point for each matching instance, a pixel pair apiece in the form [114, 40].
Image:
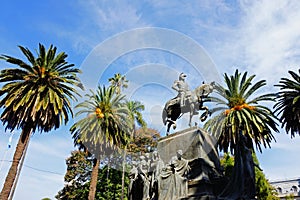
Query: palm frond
[235, 113]
[287, 106]
[36, 93]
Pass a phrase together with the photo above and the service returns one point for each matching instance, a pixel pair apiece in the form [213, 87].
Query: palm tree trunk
[108, 167]
[94, 179]
[123, 173]
[19, 172]
[12, 173]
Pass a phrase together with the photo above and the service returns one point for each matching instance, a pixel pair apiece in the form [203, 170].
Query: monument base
[198, 148]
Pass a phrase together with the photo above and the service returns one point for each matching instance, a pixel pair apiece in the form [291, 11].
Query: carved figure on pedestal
[132, 188]
[192, 174]
[173, 179]
[143, 174]
[156, 166]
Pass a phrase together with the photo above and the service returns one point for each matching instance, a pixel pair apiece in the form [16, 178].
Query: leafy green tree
[227, 162]
[36, 96]
[111, 187]
[80, 164]
[288, 101]
[236, 113]
[264, 190]
[144, 141]
[104, 126]
[77, 177]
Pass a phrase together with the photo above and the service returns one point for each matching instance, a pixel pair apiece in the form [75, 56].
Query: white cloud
[114, 15]
[261, 37]
[269, 37]
[103, 19]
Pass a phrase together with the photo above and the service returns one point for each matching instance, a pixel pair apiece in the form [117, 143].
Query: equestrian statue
[186, 102]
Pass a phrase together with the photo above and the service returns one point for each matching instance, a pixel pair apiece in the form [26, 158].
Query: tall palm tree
[236, 113]
[36, 96]
[240, 122]
[288, 101]
[119, 82]
[135, 116]
[103, 126]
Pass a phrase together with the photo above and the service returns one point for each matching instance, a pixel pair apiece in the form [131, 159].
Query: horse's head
[205, 89]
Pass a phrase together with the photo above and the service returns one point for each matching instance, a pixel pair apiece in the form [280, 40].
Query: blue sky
[151, 41]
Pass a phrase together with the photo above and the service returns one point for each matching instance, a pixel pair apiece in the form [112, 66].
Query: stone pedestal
[194, 142]
[198, 148]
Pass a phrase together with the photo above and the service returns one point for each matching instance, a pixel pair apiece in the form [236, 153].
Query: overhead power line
[36, 169]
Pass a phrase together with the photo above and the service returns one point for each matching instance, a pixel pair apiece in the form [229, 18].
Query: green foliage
[78, 167]
[264, 190]
[35, 95]
[104, 124]
[289, 197]
[107, 124]
[39, 92]
[227, 161]
[104, 127]
[77, 178]
[236, 112]
[111, 188]
[135, 108]
[288, 101]
[144, 140]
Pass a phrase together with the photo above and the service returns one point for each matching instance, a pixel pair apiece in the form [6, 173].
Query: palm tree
[135, 116]
[236, 113]
[238, 124]
[288, 101]
[36, 96]
[103, 127]
[119, 82]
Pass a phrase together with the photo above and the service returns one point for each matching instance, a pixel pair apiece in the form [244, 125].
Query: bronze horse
[193, 103]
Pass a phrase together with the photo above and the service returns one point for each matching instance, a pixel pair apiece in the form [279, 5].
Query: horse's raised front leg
[170, 123]
[204, 116]
[168, 128]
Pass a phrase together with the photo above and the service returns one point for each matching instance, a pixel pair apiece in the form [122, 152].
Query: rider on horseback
[186, 102]
[182, 88]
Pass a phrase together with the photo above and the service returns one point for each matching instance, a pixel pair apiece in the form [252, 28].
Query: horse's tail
[164, 116]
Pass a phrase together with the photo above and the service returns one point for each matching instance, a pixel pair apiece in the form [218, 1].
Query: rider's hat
[182, 75]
